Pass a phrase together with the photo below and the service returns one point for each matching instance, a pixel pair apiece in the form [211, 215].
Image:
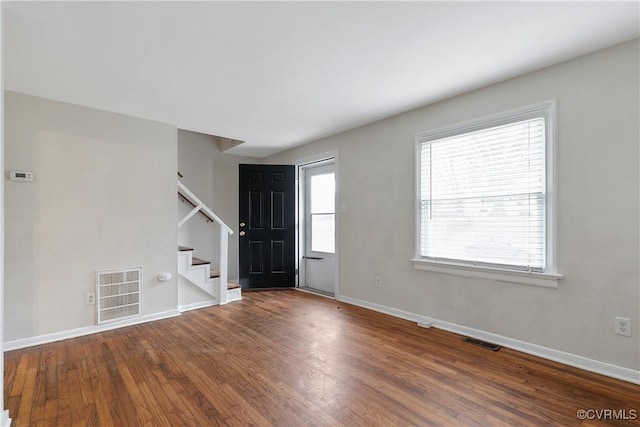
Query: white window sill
[547, 280]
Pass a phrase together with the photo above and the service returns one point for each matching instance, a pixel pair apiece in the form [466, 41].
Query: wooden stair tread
[184, 249]
[198, 261]
[213, 274]
[231, 285]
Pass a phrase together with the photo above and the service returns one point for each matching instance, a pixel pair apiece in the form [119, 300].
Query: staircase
[198, 272]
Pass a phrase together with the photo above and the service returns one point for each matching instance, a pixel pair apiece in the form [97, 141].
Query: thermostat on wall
[21, 176]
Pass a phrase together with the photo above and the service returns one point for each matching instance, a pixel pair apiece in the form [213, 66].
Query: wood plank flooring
[288, 358]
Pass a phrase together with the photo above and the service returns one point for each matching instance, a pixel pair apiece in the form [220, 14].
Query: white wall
[598, 212]
[213, 176]
[195, 162]
[103, 198]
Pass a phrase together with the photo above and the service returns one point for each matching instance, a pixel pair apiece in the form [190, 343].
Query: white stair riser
[234, 294]
[199, 276]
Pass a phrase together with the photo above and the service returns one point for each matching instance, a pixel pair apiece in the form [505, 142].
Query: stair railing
[225, 232]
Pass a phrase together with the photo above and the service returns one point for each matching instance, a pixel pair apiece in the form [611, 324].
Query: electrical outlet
[378, 281]
[90, 298]
[623, 326]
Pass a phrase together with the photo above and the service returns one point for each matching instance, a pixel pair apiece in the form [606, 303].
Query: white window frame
[550, 276]
[324, 168]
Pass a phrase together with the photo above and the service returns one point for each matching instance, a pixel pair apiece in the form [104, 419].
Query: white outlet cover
[623, 326]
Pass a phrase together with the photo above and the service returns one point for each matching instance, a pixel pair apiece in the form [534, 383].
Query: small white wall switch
[164, 277]
[21, 176]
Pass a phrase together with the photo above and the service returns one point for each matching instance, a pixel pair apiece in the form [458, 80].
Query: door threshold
[316, 291]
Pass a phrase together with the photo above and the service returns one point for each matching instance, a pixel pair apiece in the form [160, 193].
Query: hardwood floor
[289, 358]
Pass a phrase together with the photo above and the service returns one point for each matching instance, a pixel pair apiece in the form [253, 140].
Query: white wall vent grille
[119, 294]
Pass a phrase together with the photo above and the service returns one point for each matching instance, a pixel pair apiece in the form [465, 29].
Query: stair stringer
[198, 275]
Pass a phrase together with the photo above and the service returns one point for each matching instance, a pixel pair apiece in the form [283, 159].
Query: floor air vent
[119, 294]
[488, 345]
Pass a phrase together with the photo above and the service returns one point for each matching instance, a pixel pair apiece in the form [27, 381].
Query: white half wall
[104, 197]
[597, 205]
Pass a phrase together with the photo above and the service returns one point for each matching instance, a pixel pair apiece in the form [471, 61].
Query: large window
[484, 192]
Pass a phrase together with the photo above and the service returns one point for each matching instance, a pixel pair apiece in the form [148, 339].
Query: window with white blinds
[482, 193]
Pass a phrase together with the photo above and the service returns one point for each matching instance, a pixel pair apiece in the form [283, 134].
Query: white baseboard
[87, 330]
[318, 294]
[603, 368]
[5, 421]
[196, 305]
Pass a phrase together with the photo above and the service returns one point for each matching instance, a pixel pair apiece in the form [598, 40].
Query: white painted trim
[223, 262]
[5, 421]
[188, 216]
[314, 158]
[318, 294]
[550, 185]
[197, 305]
[581, 362]
[234, 295]
[87, 330]
[200, 206]
[492, 120]
[546, 280]
[401, 314]
[300, 277]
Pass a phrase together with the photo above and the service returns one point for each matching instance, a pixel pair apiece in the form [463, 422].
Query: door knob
[242, 224]
[242, 233]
